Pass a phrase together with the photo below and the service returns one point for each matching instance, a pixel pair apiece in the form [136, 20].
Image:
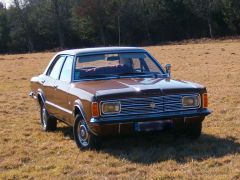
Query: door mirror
[168, 69]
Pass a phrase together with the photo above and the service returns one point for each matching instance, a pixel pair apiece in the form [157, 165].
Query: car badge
[152, 105]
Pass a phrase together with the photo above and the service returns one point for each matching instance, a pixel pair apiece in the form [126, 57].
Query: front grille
[151, 105]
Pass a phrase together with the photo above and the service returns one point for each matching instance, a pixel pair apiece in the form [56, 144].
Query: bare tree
[205, 9]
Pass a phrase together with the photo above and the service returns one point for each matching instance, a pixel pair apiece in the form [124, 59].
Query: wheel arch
[40, 97]
[78, 109]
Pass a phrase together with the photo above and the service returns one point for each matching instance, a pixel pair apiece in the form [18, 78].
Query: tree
[231, 13]
[205, 10]
[60, 14]
[4, 29]
[30, 25]
[23, 20]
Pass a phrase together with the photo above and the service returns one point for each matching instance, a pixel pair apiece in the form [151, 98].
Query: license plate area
[153, 126]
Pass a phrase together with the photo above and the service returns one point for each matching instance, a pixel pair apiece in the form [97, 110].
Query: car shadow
[66, 130]
[163, 146]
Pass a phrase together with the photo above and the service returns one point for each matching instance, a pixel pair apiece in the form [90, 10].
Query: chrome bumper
[152, 117]
[32, 94]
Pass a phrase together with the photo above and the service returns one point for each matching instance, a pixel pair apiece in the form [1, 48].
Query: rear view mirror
[168, 69]
[113, 57]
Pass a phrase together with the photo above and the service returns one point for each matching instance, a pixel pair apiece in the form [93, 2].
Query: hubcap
[44, 117]
[83, 134]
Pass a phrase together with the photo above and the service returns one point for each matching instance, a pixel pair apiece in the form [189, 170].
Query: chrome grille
[151, 105]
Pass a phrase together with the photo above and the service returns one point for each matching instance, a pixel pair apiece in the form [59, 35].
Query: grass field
[28, 152]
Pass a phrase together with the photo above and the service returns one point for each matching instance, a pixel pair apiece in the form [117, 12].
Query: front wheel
[83, 137]
[48, 123]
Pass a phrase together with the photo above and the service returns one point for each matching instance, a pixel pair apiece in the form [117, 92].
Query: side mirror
[168, 69]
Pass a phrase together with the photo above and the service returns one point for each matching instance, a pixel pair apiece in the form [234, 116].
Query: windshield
[115, 65]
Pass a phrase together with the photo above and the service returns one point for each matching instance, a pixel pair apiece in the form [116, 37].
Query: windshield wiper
[100, 75]
[132, 73]
[155, 74]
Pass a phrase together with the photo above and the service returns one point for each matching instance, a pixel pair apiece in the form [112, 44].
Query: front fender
[79, 108]
[40, 94]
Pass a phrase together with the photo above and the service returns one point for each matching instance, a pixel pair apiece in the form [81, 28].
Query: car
[116, 91]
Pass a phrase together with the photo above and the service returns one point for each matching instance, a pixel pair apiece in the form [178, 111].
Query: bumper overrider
[32, 94]
[151, 117]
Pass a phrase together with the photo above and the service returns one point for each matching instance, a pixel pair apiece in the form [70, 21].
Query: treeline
[36, 25]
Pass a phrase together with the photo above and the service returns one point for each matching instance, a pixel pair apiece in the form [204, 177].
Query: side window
[55, 70]
[136, 64]
[139, 65]
[66, 73]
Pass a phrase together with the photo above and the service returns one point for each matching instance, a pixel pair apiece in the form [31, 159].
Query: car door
[62, 86]
[49, 83]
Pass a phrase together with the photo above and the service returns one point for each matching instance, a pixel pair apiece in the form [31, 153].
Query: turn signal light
[95, 111]
[205, 100]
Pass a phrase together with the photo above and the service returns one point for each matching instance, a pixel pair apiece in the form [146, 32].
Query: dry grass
[27, 152]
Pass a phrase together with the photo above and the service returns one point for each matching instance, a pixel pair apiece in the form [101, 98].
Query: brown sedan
[118, 90]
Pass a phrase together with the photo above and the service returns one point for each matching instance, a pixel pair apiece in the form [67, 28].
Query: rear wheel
[193, 129]
[48, 123]
[83, 137]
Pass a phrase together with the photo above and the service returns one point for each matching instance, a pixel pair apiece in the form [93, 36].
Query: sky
[6, 2]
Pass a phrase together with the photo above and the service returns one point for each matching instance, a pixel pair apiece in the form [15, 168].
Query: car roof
[85, 51]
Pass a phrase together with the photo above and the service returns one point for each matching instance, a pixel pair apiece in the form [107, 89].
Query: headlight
[111, 107]
[191, 101]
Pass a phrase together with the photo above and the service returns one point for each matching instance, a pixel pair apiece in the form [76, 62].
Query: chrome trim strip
[108, 78]
[58, 107]
[152, 117]
[155, 97]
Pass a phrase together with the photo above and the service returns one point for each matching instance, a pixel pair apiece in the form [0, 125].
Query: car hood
[126, 85]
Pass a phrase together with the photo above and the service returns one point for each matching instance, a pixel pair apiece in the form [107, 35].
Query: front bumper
[150, 117]
[33, 95]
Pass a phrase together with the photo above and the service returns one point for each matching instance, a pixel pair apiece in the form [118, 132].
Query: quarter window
[55, 71]
[66, 73]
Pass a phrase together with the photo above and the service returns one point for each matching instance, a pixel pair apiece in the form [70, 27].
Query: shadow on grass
[67, 131]
[157, 147]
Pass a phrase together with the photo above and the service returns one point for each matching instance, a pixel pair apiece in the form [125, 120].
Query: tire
[193, 129]
[83, 137]
[48, 123]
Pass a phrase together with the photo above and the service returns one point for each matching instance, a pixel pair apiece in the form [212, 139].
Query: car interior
[123, 66]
